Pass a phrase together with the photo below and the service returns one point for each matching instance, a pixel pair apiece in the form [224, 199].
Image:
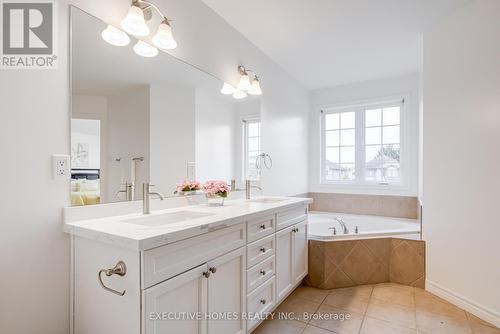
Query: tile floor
[385, 308]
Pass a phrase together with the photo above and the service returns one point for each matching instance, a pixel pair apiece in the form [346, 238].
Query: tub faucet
[248, 187]
[146, 196]
[342, 224]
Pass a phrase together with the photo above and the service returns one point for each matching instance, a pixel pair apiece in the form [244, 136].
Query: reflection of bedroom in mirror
[156, 120]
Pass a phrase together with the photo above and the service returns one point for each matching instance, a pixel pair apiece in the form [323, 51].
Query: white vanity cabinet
[180, 304]
[291, 258]
[216, 282]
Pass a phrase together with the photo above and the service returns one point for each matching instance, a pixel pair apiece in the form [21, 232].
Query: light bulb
[145, 50]
[115, 36]
[164, 38]
[244, 83]
[239, 94]
[134, 22]
[255, 89]
[228, 89]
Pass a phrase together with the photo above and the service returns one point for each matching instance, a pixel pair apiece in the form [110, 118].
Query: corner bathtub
[321, 227]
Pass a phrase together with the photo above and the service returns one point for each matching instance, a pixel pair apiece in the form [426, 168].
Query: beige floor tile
[350, 325]
[280, 327]
[427, 302]
[297, 307]
[394, 294]
[315, 330]
[375, 326]
[476, 320]
[483, 329]
[434, 323]
[395, 313]
[309, 293]
[396, 286]
[352, 299]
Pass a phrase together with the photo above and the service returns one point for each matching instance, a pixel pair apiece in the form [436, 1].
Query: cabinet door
[226, 293]
[182, 295]
[300, 252]
[284, 262]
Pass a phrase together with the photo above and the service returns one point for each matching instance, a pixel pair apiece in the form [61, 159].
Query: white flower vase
[214, 200]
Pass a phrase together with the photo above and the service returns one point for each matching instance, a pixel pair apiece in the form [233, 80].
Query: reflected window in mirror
[252, 148]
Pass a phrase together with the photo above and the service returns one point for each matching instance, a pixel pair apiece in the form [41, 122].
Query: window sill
[366, 188]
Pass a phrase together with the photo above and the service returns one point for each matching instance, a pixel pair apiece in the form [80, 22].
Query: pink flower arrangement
[187, 186]
[213, 188]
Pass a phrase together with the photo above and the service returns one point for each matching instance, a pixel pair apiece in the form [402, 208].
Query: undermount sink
[167, 218]
[267, 200]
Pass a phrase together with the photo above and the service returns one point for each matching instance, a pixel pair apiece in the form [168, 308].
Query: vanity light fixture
[135, 24]
[145, 50]
[115, 36]
[228, 89]
[245, 85]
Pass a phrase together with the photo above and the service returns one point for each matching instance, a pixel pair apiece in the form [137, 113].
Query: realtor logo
[28, 36]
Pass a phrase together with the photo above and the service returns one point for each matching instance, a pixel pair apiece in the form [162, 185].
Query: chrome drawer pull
[263, 301]
[262, 227]
[119, 269]
[263, 249]
[206, 274]
[263, 272]
[213, 270]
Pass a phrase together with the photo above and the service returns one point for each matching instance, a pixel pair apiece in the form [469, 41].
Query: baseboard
[472, 307]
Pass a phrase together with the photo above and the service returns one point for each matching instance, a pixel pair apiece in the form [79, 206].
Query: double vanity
[185, 269]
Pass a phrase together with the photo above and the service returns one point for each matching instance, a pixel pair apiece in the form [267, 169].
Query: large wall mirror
[159, 120]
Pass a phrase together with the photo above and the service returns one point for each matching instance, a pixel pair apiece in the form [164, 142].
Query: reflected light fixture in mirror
[245, 85]
[145, 50]
[134, 23]
[228, 89]
[115, 36]
[240, 94]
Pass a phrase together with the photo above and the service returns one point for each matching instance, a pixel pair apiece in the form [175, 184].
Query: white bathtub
[321, 226]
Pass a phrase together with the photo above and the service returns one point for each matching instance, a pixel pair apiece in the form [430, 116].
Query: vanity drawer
[161, 263]
[260, 301]
[260, 227]
[260, 250]
[260, 273]
[290, 216]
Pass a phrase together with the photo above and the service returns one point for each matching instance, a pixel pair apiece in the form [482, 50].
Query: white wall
[34, 107]
[355, 93]
[215, 136]
[128, 138]
[172, 126]
[461, 157]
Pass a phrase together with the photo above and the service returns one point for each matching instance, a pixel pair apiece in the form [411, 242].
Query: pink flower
[219, 188]
[188, 186]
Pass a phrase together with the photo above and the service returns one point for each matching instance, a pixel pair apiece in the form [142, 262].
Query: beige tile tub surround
[385, 308]
[377, 205]
[339, 264]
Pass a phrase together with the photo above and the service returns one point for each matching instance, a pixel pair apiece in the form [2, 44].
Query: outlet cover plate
[61, 169]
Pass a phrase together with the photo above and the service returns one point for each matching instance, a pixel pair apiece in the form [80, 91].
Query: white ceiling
[326, 43]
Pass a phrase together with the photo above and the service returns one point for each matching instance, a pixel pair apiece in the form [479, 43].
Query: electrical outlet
[61, 169]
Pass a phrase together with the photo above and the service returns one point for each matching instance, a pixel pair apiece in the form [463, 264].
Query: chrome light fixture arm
[146, 6]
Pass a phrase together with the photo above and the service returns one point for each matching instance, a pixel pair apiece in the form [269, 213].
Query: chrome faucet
[248, 187]
[146, 196]
[342, 224]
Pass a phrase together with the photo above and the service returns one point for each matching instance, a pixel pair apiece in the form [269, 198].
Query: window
[252, 149]
[362, 144]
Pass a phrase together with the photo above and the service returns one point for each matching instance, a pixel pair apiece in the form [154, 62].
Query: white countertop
[114, 230]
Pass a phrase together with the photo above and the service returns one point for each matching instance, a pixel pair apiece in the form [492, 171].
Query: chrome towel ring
[120, 269]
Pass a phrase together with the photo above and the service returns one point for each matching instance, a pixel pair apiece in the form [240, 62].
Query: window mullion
[360, 145]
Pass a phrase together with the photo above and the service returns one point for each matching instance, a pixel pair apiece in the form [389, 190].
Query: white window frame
[245, 121]
[359, 107]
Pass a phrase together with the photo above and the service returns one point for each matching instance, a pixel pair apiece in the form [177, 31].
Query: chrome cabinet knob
[262, 227]
[263, 272]
[207, 274]
[213, 270]
[263, 301]
[263, 249]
